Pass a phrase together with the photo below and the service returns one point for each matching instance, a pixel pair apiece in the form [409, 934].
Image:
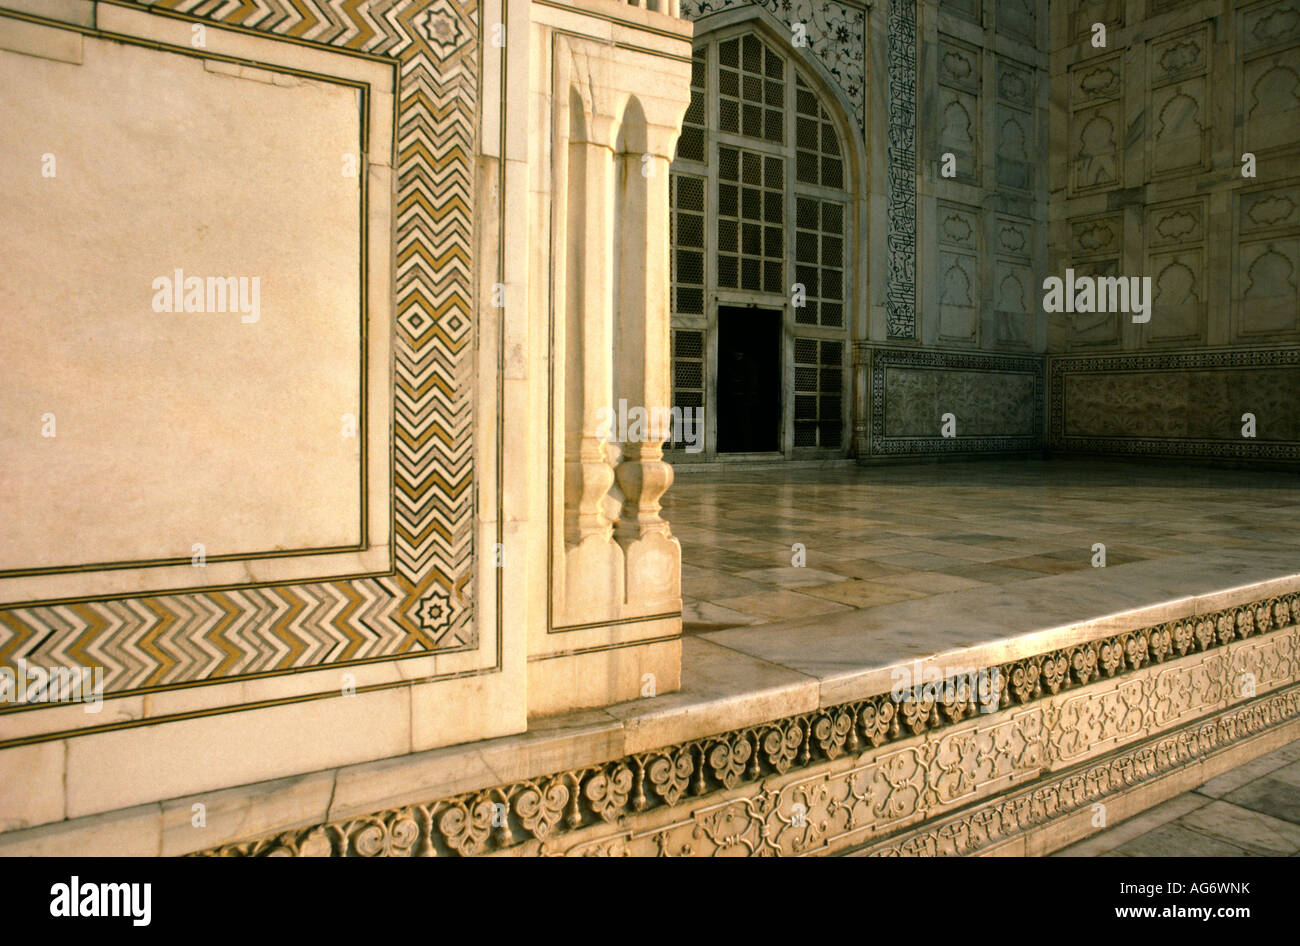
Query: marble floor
[1250, 811]
[873, 536]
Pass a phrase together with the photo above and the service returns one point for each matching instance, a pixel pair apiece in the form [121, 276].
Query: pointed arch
[843, 110]
[632, 134]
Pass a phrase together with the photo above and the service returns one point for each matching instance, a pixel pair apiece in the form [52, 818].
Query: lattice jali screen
[688, 375]
[818, 392]
[751, 216]
[818, 157]
[819, 261]
[687, 196]
[691, 144]
[751, 89]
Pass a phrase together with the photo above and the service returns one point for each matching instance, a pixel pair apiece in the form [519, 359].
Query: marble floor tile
[1252, 830]
[1271, 796]
[1174, 840]
[1289, 773]
[930, 582]
[1108, 839]
[700, 617]
[1287, 753]
[724, 560]
[790, 577]
[1001, 523]
[863, 594]
[1233, 779]
[1241, 812]
[989, 573]
[775, 605]
[720, 585]
[1046, 565]
[921, 560]
[868, 568]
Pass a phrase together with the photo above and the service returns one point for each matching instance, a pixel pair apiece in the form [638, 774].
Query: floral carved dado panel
[997, 400]
[1176, 404]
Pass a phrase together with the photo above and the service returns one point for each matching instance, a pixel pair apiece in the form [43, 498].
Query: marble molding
[614, 132]
[900, 238]
[1071, 725]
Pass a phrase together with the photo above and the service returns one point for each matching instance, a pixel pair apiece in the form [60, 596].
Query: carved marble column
[652, 555]
[613, 113]
[593, 562]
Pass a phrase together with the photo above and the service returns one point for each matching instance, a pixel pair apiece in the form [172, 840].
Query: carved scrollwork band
[1076, 790]
[1031, 695]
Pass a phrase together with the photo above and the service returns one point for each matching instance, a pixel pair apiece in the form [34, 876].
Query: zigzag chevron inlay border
[155, 641]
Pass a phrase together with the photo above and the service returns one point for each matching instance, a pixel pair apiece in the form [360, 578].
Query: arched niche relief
[615, 557]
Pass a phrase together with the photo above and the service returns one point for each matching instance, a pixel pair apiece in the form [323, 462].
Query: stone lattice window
[819, 261]
[751, 213]
[751, 89]
[817, 145]
[690, 146]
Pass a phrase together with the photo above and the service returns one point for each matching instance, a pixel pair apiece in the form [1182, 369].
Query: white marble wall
[982, 93]
[436, 676]
[1147, 178]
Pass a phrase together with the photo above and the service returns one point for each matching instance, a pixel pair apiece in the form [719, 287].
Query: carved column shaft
[589, 337]
[643, 319]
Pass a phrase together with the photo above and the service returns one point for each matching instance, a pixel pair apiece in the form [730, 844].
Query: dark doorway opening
[749, 380]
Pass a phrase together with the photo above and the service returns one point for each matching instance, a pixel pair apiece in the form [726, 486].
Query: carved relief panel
[1096, 140]
[1088, 12]
[1017, 18]
[1268, 93]
[959, 273]
[958, 113]
[987, 112]
[1013, 289]
[1014, 285]
[1177, 103]
[1097, 249]
[1016, 141]
[1266, 267]
[1174, 234]
[966, 9]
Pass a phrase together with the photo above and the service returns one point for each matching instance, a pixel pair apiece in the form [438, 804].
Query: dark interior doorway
[749, 380]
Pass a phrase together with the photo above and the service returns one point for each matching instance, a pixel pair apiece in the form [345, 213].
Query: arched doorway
[762, 239]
